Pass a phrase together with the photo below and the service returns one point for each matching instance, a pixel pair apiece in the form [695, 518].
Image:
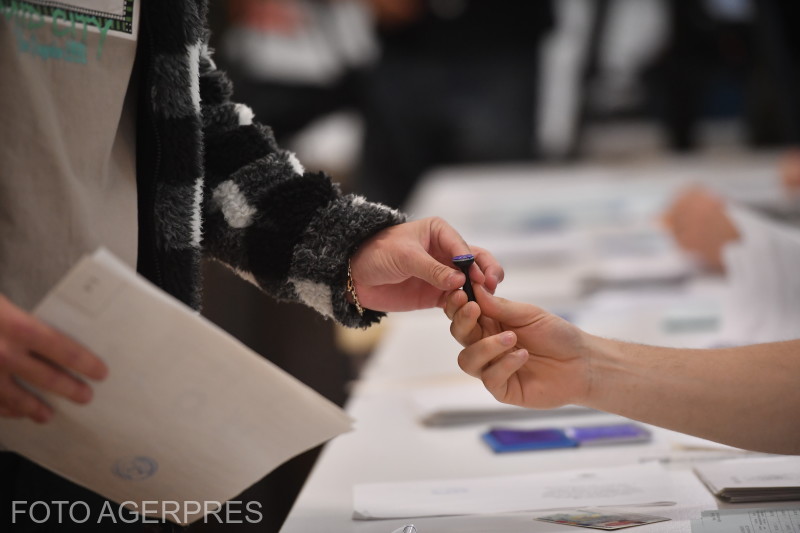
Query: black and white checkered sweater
[213, 181]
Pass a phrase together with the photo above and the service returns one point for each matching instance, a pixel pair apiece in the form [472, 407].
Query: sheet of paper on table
[727, 520]
[188, 414]
[468, 403]
[622, 486]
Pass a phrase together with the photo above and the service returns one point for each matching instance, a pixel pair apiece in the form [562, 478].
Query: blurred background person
[456, 83]
[756, 246]
[296, 60]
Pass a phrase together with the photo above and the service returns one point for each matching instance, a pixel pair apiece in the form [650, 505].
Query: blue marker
[463, 262]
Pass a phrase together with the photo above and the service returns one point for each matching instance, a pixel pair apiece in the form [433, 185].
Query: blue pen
[463, 262]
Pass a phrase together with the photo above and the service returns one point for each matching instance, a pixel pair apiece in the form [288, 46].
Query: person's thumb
[425, 267]
[508, 312]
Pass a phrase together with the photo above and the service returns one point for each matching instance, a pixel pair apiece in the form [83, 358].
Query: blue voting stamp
[135, 468]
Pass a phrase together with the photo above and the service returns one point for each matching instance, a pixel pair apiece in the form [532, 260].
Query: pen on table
[406, 529]
[463, 262]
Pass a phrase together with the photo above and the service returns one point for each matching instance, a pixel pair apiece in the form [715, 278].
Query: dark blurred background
[378, 92]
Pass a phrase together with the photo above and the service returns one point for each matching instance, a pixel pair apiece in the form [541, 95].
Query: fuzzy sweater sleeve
[288, 231]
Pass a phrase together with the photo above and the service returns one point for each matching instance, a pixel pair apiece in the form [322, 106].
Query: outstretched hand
[524, 355]
[41, 356]
[409, 266]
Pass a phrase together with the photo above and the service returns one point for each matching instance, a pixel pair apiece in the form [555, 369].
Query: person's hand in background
[39, 355]
[409, 266]
[790, 171]
[699, 223]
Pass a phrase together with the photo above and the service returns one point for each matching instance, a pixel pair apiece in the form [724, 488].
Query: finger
[512, 313]
[453, 302]
[422, 265]
[8, 413]
[492, 271]
[47, 377]
[475, 358]
[20, 402]
[497, 375]
[448, 238]
[54, 346]
[450, 242]
[464, 327]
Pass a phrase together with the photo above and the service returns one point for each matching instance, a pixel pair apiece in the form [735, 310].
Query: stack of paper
[753, 480]
[187, 415]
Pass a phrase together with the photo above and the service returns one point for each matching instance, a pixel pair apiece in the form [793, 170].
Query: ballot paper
[188, 415]
[753, 479]
[748, 521]
[623, 486]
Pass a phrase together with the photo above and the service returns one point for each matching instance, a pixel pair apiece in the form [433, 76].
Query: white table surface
[417, 352]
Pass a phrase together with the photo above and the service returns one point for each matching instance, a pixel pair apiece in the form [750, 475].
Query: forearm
[747, 397]
[288, 231]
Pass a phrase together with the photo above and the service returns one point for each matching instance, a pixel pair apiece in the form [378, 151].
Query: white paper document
[637, 485]
[748, 521]
[188, 414]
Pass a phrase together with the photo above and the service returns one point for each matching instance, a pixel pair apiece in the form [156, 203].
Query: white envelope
[188, 414]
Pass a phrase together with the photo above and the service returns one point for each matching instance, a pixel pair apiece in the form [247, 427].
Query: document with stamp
[188, 415]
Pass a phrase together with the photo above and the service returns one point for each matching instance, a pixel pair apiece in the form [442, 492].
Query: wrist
[604, 362]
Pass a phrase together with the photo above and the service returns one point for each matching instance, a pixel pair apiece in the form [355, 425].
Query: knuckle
[53, 380]
[439, 270]
[437, 221]
[70, 356]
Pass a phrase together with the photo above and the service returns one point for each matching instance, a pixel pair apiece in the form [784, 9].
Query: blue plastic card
[609, 434]
[515, 440]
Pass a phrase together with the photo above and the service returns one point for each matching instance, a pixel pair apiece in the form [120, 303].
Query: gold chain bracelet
[351, 289]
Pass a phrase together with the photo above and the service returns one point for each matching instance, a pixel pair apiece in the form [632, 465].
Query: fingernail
[508, 338]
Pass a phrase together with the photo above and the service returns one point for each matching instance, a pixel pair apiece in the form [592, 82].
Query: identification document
[605, 519]
[188, 415]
